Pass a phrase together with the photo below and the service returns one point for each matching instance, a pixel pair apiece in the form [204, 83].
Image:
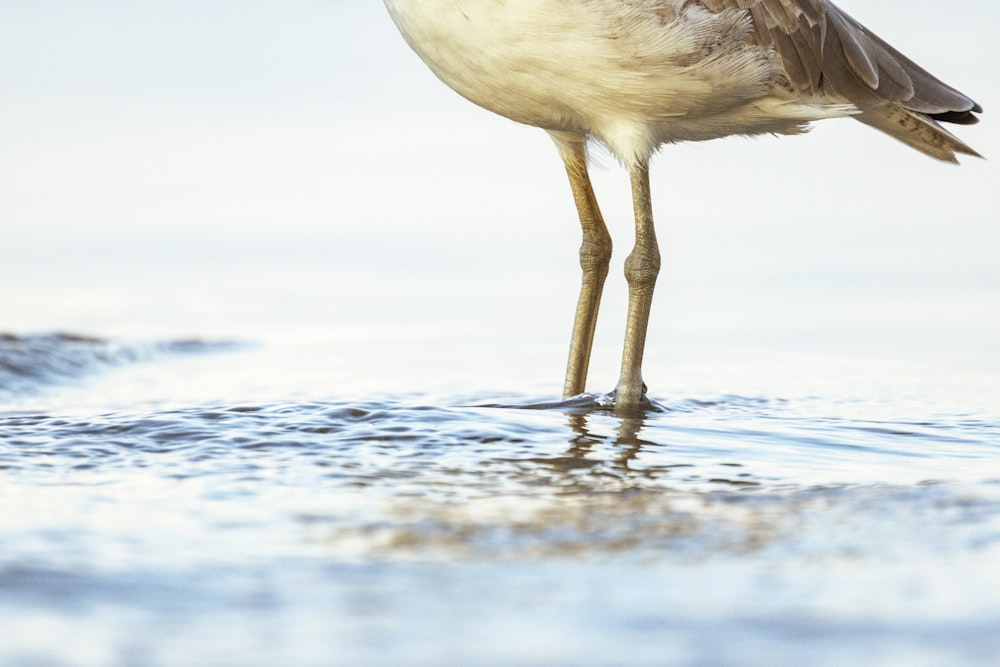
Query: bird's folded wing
[822, 50]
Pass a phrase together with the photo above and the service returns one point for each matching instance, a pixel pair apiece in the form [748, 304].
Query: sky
[180, 132]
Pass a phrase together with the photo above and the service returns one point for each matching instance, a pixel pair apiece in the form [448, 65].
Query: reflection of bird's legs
[595, 254]
[583, 440]
[628, 442]
[641, 269]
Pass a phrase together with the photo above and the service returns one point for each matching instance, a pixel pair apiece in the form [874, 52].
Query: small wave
[581, 404]
[30, 363]
[399, 479]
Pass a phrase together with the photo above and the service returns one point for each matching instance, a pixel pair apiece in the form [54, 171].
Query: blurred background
[244, 169]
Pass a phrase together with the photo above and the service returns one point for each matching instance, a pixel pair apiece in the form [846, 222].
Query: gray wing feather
[823, 52]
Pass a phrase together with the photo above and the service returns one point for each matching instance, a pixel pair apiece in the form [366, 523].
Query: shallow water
[457, 529]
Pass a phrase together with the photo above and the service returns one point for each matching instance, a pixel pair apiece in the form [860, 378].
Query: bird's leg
[595, 254]
[641, 269]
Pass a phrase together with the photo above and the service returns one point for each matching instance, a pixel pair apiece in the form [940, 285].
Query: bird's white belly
[633, 73]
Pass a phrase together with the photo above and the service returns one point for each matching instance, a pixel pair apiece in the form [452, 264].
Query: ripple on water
[705, 476]
[171, 536]
[31, 363]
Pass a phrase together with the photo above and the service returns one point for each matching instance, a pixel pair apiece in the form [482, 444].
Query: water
[144, 523]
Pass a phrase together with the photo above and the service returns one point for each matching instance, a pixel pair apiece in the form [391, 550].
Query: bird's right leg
[595, 254]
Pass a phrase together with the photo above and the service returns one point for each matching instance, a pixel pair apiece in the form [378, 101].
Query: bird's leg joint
[595, 253]
[643, 266]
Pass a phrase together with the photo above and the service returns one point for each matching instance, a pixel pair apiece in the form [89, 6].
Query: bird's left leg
[641, 269]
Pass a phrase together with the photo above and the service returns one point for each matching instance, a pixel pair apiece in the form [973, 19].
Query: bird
[636, 75]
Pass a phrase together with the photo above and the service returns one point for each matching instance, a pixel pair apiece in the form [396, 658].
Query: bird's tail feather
[895, 94]
[916, 130]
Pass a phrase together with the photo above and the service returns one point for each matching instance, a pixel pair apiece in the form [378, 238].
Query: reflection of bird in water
[592, 456]
[637, 74]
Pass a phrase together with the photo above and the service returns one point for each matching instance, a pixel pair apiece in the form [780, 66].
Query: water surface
[457, 530]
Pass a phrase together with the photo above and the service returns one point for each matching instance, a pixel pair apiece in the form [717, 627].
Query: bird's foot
[626, 404]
